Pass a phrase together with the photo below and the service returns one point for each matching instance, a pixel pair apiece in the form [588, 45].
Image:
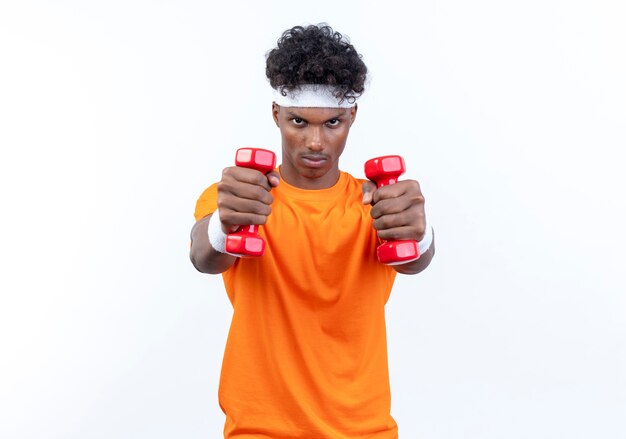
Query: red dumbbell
[385, 171]
[246, 240]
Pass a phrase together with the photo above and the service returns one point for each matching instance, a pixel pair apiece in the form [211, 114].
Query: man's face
[313, 140]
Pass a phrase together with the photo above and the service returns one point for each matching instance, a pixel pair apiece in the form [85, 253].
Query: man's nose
[314, 140]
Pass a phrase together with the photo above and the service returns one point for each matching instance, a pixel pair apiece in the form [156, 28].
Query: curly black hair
[316, 54]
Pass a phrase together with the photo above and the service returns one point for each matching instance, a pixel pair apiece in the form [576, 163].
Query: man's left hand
[397, 209]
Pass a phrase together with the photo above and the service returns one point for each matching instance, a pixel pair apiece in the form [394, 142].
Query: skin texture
[313, 140]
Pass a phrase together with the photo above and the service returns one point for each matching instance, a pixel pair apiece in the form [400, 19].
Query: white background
[114, 116]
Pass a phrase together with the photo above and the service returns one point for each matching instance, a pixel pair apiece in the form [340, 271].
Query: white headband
[312, 95]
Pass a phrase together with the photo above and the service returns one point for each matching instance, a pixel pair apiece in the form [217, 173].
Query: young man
[306, 354]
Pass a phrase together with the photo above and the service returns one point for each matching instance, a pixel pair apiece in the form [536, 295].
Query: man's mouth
[314, 160]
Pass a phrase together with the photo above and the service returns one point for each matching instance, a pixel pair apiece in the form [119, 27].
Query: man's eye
[333, 122]
[298, 121]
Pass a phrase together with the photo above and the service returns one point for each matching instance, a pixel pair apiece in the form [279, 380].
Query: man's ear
[275, 111]
[353, 111]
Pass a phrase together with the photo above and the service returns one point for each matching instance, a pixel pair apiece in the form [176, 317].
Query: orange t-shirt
[306, 355]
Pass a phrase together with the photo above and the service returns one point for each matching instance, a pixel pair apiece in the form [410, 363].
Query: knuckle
[375, 212]
[222, 203]
[411, 187]
[224, 186]
[261, 179]
[261, 209]
[413, 184]
[382, 207]
[227, 172]
[382, 223]
[260, 193]
[225, 218]
[384, 234]
[417, 200]
[379, 195]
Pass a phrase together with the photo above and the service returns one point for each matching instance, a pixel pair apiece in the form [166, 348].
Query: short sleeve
[207, 203]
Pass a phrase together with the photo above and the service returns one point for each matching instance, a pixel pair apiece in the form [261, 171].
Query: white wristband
[217, 237]
[427, 240]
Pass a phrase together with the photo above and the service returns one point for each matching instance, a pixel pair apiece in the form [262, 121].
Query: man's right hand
[244, 198]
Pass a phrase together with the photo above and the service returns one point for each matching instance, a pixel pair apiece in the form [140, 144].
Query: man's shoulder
[351, 177]
[352, 182]
[207, 202]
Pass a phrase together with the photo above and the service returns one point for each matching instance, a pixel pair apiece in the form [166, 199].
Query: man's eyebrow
[337, 115]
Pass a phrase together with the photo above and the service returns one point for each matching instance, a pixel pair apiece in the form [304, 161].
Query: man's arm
[243, 198]
[202, 254]
[398, 213]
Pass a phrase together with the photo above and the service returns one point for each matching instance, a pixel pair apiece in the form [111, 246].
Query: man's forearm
[203, 256]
